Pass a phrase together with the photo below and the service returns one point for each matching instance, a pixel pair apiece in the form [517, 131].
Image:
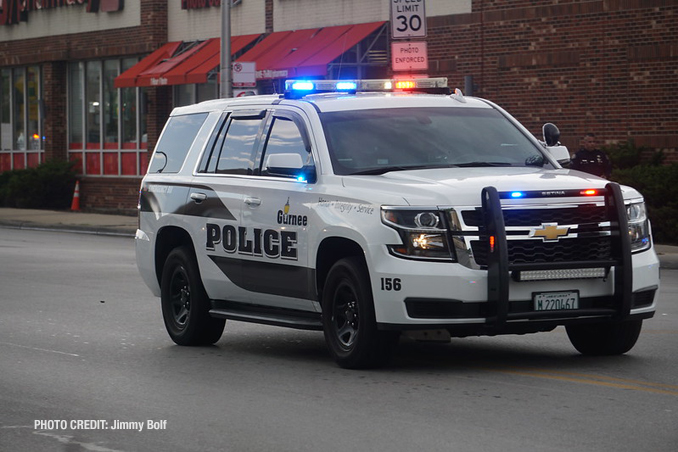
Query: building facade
[93, 81]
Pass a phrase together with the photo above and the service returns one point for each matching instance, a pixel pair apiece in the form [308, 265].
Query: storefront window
[21, 143]
[110, 106]
[76, 74]
[128, 101]
[207, 91]
[114, 125]
[5, 109]
[33, 137]
[93, 104]
[19, 104]
[184, 95]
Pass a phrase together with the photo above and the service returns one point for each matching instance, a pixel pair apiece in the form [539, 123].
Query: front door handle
[252, 202]
[198, 197]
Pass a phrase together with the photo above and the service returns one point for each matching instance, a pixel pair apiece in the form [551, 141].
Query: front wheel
[348, 318]
[185, 305]
[605, 338]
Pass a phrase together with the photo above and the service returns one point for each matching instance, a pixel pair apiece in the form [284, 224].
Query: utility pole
[225, 88]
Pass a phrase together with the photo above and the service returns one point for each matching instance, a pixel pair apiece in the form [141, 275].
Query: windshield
[381, 140]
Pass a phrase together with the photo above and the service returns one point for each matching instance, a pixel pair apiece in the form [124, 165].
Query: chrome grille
[537, 251]
[534, 217]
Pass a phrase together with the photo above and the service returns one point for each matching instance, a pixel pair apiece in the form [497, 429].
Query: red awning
[128, 78]
[179, 63]
[208, 63]
[156, 75]
[281, 54]
[305, 52]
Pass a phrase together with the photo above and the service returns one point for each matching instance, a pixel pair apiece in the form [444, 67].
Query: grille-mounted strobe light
[550, 275]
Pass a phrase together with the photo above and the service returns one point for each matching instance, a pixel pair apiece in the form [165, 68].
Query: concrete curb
[69, 228]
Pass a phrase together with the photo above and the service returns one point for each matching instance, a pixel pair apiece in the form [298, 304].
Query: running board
[288, 318]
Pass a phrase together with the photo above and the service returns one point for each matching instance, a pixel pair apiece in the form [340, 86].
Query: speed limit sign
[408, 19]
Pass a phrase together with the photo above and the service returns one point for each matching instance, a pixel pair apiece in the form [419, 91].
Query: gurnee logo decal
[284, 217]
[252, 241]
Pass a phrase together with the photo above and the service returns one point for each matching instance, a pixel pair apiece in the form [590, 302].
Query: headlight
[639, 226]
[422, 231]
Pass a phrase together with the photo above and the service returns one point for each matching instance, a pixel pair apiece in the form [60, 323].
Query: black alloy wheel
[349, 321]
[185, 305]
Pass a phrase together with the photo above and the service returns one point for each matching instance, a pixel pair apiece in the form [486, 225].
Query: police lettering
[252, 241]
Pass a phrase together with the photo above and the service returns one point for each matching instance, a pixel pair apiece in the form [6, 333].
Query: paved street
[82, 344]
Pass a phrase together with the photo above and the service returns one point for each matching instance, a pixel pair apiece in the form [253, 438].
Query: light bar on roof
[299, 88]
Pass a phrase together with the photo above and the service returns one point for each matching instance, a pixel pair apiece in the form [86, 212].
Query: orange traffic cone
[75, 205]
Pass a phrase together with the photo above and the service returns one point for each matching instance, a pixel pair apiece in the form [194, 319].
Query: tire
[348, 318]
[605, 338]
[185, 305]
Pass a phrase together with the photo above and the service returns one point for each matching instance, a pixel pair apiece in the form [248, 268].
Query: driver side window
[285, 138]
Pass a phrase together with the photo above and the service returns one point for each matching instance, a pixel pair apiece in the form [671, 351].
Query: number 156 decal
[391, 284]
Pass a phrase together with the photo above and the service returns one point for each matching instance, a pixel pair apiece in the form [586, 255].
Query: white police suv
[367, 209]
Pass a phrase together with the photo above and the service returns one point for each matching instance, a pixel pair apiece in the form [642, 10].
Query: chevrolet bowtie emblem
[550, 232]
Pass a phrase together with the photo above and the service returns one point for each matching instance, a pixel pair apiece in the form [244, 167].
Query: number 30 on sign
[408, 19]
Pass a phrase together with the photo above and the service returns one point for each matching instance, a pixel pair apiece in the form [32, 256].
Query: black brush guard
[499, 268]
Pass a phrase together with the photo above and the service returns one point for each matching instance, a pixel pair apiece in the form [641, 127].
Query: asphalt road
[82, 345]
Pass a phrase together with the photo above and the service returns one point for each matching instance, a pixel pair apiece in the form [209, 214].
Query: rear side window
[177, 138]
[237, 150]
[234, 147]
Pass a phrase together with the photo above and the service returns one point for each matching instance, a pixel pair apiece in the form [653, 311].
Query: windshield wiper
[388, 169]
[483, 164]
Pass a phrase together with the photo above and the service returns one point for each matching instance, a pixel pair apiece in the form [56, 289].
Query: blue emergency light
[303, 86]
[347, 86]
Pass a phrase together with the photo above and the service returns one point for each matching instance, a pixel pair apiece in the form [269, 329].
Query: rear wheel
[185, 305]
[605, 338]
[348, 318]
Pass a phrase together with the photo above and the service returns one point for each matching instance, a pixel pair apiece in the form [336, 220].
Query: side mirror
[551, 134]
[560, 153]
[289, 165]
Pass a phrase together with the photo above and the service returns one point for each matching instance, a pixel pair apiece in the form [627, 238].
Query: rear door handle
[252, 202]
[198, 197]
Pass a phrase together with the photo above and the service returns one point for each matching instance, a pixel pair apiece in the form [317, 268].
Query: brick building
[94, 80]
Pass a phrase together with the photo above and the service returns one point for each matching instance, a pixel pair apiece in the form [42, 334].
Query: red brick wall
[115, 195]
[268, 7]
[605, 66]
[54, 79]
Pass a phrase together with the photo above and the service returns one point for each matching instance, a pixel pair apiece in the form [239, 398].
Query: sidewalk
[122, 225]
[91, 223]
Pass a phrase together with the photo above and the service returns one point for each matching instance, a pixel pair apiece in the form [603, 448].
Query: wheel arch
[331, 250]
[169, 238]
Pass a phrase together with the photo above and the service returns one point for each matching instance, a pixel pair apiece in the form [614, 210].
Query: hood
[463, 186]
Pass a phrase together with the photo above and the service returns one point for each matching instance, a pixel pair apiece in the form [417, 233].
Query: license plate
[556, 301]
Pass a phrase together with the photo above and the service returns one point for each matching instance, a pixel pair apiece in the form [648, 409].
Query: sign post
[225, 88]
